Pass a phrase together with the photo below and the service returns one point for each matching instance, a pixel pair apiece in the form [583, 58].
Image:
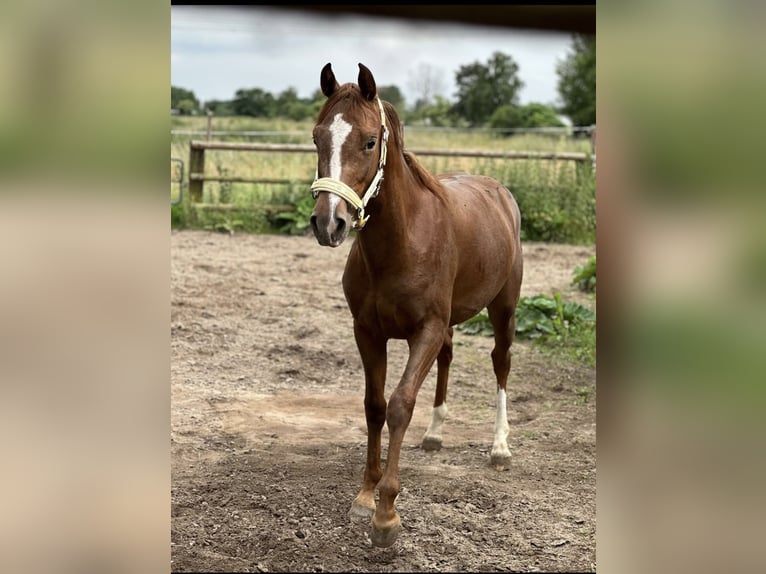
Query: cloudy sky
[217, 50]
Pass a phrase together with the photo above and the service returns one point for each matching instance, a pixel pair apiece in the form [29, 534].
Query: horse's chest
[394, 310]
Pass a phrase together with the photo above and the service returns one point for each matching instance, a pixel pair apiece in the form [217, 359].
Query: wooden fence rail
[197, 149]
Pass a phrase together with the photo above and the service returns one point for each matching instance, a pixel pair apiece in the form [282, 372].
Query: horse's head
[351, 138]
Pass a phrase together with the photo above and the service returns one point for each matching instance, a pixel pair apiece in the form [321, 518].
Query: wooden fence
[197, 149]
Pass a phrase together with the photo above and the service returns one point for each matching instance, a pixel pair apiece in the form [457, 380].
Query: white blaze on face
[500, 444]
[339, 130]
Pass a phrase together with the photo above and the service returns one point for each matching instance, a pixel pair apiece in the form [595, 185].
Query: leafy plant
[477, 325]
[296, 221]
[543, 316]
[549, 321]
[585, 276]
[224, 187]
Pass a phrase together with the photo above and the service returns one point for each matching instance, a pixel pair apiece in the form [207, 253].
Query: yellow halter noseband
[339, 188]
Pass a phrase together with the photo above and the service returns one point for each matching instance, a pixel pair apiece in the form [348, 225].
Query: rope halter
[339, 188]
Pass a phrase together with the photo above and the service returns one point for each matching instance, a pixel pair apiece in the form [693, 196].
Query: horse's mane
[353, 96]
[420, 173]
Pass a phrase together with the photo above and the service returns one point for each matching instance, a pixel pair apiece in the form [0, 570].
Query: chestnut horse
[430, 252]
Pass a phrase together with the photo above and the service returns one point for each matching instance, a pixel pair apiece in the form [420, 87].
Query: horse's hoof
[360, 513]
[385, 537]
[503, 460]
[431, 443]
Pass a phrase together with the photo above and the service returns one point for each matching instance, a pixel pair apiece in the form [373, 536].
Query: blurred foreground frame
[574, 18]
[84, 336]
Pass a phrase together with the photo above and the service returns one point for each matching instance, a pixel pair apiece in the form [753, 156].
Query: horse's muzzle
[329, 231]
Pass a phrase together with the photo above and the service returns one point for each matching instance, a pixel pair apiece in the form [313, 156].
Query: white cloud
[216, 51]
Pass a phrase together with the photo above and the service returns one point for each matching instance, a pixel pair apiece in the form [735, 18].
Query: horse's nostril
[313, 222]
[341, 225]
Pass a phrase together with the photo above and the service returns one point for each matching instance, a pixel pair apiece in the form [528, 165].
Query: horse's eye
[370, 144]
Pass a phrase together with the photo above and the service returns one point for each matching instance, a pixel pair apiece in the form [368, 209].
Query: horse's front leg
[373, 352]
[424, 347]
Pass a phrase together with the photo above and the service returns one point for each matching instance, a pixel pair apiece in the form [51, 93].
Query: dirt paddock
[268, 435]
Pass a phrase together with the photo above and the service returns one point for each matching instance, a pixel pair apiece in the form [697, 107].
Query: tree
[437, 113]
[254, 102]
[220, 107]
[178, 95]
[392, 95]
[187, 107]
[484, 88]
[577, 81]
[285, 100]
[426, 83]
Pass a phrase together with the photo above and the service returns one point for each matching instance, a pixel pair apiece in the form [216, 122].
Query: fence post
[196, 167]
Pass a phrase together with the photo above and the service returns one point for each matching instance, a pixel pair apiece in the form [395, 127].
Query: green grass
[585, 276]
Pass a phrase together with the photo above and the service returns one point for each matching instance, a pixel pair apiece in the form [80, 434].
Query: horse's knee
[399, 411]
[375, 411]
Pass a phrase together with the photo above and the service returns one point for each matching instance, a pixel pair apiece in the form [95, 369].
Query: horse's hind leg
[432, 440]
[502, 315]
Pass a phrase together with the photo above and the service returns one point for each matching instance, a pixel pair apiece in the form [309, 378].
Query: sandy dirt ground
[268, 434]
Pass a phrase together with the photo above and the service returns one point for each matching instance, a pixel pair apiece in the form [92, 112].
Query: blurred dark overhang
[578, 18]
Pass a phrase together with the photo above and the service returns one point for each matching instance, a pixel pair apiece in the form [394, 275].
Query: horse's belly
[398, 314]
[461, 314]
[466, 306]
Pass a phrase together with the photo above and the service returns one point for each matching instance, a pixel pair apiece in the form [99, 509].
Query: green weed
[564, 327]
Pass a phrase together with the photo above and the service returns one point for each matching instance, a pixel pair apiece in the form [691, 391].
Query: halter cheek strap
[339, 188]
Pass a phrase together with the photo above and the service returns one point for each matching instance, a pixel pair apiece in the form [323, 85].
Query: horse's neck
[387, 229]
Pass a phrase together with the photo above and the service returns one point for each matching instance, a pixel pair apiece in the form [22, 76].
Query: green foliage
[224, 187]
[289, 105]
[187, 107]
[248, 220]
[179, 215]
[178, 95]
[577, 81]
[557, 207]
[437, 113]
[555, 324]
[393, 95]
[543, 316]
[533, 115]
[477, 325]
[507, 116]
[298, 111]
[255, 102]
[482, 88]
[296, 222]
[536, 115]
[585, 276]
[221, 107]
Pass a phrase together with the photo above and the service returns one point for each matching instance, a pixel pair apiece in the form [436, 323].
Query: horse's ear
[327, 81]
[367, 83]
